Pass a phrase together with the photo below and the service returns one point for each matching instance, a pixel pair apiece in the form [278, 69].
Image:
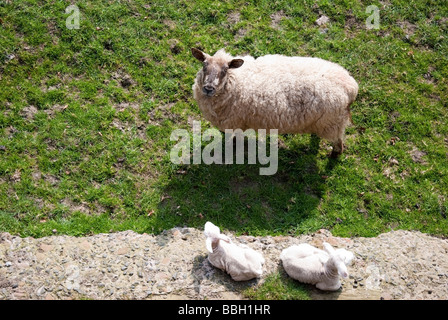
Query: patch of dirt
[124, 79]
[162, 112]
[241, 33]
[393, 171]
[407, 27]
[175, 46]
[169, 23]
[29, 112]
[323, 20]
[418, 156]
[276, 19]
[134, 129]
[234, 17]
[73, 206]
[51, 179]
[55, 109]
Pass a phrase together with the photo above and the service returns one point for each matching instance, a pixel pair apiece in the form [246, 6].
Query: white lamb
[308, 264]
[290, 94]
[240, 261]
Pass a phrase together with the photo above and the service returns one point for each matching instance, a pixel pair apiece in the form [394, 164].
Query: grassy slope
[86, 117]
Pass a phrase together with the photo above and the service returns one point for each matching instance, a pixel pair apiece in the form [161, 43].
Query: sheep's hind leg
[338, 148]
[335, 135]
[338, 142]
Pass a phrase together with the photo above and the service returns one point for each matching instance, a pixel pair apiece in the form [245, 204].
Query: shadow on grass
[237, 198]
[203, 270]
[276, 285]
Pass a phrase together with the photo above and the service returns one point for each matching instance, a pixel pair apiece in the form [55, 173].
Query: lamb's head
[215, 70]
[213, 235]
[336, 262]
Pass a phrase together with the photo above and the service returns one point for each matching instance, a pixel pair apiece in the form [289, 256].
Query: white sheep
[308, 264]
[239, 261]
[290, 94]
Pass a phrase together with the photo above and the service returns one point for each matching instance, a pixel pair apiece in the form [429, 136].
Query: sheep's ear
[345, 255]
[211, 230]
[225, 238]
[328, 248]
[208, 245]
[236, 63]
[198, 54]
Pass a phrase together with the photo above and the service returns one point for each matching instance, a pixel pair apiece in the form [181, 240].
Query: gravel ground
[173, 265]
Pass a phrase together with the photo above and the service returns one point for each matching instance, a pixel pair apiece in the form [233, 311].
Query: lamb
[241, 262]
[290, 94]
[308, 264]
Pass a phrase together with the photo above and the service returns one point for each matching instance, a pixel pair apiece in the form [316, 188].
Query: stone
[40, 291]
[45, 247]
[322, 20]
[123, 250]
[86, 245]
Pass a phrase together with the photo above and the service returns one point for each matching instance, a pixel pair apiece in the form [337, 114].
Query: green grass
[278, 286]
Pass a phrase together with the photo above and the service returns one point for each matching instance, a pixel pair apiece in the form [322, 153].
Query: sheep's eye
[224, 71]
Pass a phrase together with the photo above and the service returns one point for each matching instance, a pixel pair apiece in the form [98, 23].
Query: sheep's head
[340, 266]
[337, 259]
[214, 72]
[213, 235]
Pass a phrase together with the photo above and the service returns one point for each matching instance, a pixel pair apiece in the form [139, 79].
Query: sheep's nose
[208, 90]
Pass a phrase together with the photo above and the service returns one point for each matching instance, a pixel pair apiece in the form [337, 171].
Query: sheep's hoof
[335, 154]
[338, 148]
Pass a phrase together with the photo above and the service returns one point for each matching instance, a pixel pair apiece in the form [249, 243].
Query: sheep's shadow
[313, 292]
[236, 197]
[317, 294]
[207, 278]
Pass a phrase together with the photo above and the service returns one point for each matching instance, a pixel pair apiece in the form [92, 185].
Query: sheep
[240, 262]
[290, 94]
[311, 265]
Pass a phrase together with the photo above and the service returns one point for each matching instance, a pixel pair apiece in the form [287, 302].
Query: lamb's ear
[327, 247]
[208, 245]
[345, 255]
[210, 230]
[236, 63]
[225, 238]
[198, 54]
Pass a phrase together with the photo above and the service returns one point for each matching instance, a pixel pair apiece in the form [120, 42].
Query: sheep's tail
[213, 235]
[350, 114]
[352, 92]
